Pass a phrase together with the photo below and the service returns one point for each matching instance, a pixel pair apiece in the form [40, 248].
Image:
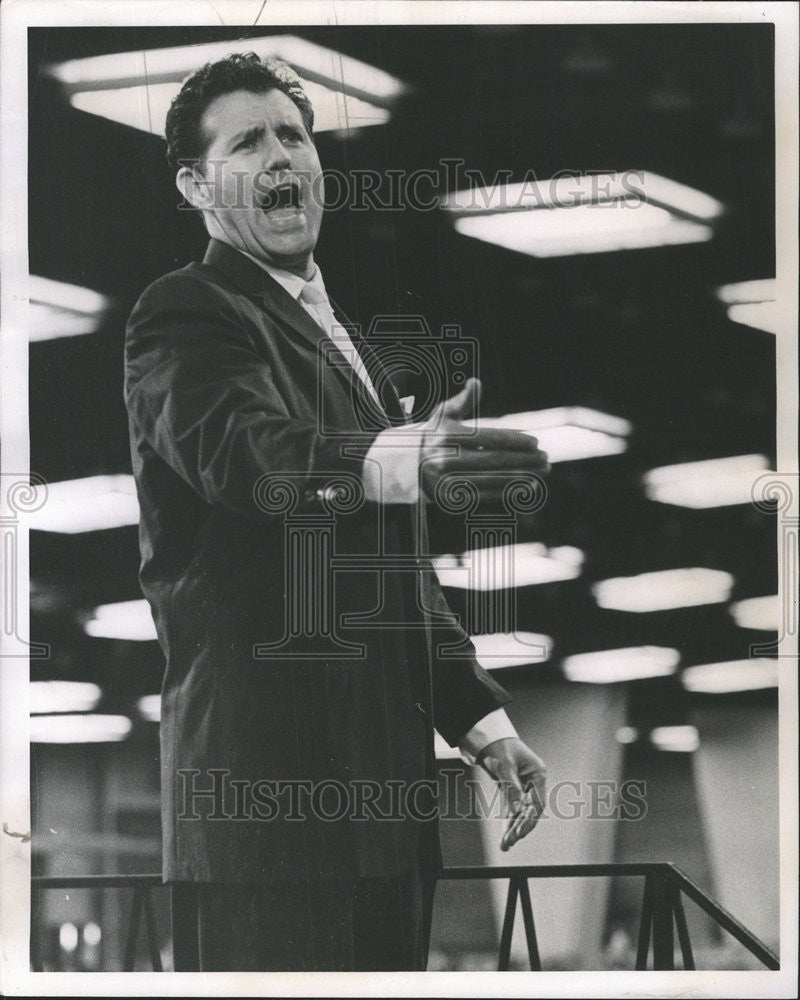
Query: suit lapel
[258, 284]
[293, 318]
[283, 308]
[375, 370]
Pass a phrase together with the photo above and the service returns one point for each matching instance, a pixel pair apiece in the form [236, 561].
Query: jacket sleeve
[463, 692]
[204, 399]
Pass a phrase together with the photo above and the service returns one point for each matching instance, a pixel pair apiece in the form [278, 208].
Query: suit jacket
[301, 630]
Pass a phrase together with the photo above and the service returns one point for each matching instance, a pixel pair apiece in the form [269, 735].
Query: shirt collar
[293, 283]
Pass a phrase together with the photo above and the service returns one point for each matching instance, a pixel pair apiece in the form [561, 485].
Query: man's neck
[304, 269]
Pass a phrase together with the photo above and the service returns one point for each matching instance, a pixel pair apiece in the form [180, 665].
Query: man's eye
[292, 135]
[247, 143]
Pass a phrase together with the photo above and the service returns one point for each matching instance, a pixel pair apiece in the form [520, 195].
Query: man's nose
[276, 156]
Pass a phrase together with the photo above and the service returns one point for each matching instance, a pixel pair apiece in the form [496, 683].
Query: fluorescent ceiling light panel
[672, 588]
[149, 707]
[675, 739]
[136, 88]
[68, 937]
[735, 675]
[760, 315]
[79, 728]
[582, 229]
[63, 696]
[752, 303]
[58, 309]
[567, 433]
[124, 620]
[145, 107]
[760, 613]
[496, 650]
[506, 566]
[719, 482]
[588, 214]
[611, 666]
[761, 290]
[92, 504]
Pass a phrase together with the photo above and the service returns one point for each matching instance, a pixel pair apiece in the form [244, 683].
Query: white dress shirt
[391, 466]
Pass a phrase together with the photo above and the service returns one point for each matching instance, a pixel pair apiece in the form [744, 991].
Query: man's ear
[193, 186]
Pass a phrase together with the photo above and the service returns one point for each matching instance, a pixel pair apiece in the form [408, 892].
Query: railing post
[508, 926]
[152, 933]
[663, 943]
[645, 925]
[683, 930]
[36, 944]
[133, 930]
[530, 927]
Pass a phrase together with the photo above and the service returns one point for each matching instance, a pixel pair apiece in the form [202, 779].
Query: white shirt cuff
[391, 466]
[494, 726]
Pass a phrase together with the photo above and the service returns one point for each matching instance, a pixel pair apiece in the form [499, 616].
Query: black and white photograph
[399, 499]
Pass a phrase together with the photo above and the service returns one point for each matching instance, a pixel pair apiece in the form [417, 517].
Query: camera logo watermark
[777, 493]
[318, 508]
[20, 496]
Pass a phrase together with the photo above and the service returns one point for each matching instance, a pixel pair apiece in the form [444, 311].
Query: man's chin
[287, 254]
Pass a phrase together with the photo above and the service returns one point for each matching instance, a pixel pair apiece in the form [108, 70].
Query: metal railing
[662, 910]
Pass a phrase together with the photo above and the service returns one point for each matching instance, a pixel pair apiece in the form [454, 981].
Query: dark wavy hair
[239, 71]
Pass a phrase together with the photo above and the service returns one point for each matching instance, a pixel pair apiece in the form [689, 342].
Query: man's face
[264, 179]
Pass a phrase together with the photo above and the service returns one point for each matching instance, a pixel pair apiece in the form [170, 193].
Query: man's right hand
[486, 457]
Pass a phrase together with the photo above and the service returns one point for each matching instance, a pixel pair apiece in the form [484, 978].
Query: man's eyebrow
[253, 130]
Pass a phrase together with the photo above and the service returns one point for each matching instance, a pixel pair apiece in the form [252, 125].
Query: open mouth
[283, 196]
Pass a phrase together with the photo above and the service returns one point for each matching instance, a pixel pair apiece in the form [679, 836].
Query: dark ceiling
[637, 334]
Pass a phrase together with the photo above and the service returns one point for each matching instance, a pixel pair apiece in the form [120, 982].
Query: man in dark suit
[282, 495]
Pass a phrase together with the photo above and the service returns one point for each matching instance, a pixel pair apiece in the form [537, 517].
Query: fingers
[469, 438]
[519, 827]
[464, 405]
[524, 818]
[489, 473]
[489, 461]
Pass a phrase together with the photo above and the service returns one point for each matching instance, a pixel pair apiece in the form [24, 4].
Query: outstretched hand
[486, 457]
[522, 777]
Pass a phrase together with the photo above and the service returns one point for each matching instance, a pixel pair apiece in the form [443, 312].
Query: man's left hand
[523, 778]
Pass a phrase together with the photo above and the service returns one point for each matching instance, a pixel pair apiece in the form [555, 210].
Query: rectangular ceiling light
[671, 588]
[567, 433]
[91, 504]
[124, 620]
[611, 666]
[675, 739]
[149, 707]
[79, 728]
[136, 88]
[752, 303]
[586, 214]
[496, 650]
[719, 482]
[735, 675]
[62, 696]
[761, 613]
[58, 309]
[505, 566]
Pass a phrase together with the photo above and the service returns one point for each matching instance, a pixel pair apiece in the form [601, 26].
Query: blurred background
[637, 344]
